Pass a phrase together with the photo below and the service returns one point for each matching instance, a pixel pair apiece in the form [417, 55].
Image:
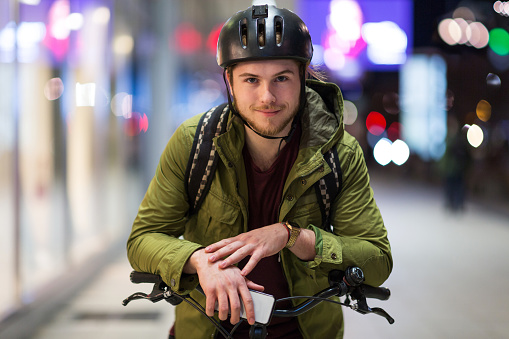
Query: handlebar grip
[142, 277]
[380, 293]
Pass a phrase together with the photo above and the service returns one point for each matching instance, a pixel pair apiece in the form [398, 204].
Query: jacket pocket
[217, 220]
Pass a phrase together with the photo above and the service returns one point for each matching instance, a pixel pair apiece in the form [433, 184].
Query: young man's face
[266, 94]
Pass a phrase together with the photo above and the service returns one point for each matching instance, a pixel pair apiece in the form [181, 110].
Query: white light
[122, 105]
[498, 6]
[74, 21]
[350, 112]
[334, 59]
[346, 19]
[60, 30]
[480, 36]
[387, 42]
[30, 2]
[8, 37]
[475, 136]
[101, 16]
[465, 30]
[400, 152]
[383, 151]
[85, 94]
[123, 44]
[30, 33]
[455, 31]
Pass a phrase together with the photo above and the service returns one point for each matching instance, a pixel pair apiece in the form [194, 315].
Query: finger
[234, 307]
[247, 300]
[215, 246]
[210, 305]
[254, 286]
[223, 306]
[253, 261]
[226, 251]
[236, 256]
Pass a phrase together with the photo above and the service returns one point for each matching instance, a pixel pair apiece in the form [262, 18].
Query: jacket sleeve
[154, 245]
[360, 237]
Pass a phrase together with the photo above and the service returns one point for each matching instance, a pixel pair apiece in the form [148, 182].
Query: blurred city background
[91, 91]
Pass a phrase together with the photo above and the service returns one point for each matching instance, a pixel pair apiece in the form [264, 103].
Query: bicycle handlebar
[348, 283]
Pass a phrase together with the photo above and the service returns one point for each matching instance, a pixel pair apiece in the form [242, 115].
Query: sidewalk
[449, 279]
[97, 311]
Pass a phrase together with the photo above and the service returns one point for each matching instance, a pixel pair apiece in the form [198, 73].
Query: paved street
[448, 280]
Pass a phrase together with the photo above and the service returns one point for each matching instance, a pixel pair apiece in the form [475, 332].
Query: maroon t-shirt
[265, 194]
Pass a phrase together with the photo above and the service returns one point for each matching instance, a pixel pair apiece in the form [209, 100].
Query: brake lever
[135, 296]
[381, 312]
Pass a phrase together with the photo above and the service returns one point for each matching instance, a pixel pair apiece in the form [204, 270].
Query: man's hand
[224, 285]
[259, 243]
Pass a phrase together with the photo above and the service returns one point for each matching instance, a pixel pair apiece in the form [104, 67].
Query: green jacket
[360, 239]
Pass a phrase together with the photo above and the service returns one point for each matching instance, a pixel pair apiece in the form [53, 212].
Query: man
[259, 225]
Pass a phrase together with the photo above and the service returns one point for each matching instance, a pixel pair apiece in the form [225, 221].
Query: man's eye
[251, 80]
[281, 78]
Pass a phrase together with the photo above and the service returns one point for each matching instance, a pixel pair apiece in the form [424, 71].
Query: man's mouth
[268, 109]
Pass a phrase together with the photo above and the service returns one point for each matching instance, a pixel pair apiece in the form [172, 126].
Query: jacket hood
[322, 117]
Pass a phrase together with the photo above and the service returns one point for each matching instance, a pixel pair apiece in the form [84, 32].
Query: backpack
[203, 162]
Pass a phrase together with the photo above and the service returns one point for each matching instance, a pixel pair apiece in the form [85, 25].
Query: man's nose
[267, 94]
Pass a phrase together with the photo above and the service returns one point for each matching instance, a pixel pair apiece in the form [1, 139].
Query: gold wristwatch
[294, 229]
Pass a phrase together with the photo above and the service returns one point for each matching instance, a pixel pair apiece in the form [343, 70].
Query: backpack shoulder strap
[329, 187]
[202, 160]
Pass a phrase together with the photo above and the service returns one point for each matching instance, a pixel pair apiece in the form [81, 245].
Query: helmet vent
[243, 32]
[278, 30]
[261, 33]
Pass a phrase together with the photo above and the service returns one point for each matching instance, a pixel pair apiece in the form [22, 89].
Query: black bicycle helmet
[263, 32]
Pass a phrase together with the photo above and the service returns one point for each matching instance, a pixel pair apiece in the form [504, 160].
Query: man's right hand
[224, 286]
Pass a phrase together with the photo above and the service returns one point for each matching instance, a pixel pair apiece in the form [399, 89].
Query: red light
[213, 37]
[394, 131]
[136, 124]
[187, 38]
[375, 123]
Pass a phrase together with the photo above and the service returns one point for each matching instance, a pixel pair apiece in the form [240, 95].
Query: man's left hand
[259, 243]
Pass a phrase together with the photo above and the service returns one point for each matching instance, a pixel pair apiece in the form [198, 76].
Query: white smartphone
[263, 305]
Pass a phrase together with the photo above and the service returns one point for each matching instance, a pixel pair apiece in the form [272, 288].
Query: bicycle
[348, 283]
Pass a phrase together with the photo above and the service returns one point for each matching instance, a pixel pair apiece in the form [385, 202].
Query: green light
[499, 41]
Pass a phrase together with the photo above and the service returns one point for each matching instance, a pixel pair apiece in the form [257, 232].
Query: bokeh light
[350, 112]
[499, 41]
[478, 35]
[188, 40]
[394, 131]
[85, 94]
[493, 80]
[461, 31]
[400, 152]
[136, 124]
[53, 88]
[464, 13]
[391, 102]
[383, 151]
[483, 110]
[501, 7]
[123, 44]
[122, 105]
[475, 135]
[212, 39]
[101, 16]
[375, 123]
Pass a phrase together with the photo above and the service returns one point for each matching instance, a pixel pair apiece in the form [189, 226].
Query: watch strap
[294, 233]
